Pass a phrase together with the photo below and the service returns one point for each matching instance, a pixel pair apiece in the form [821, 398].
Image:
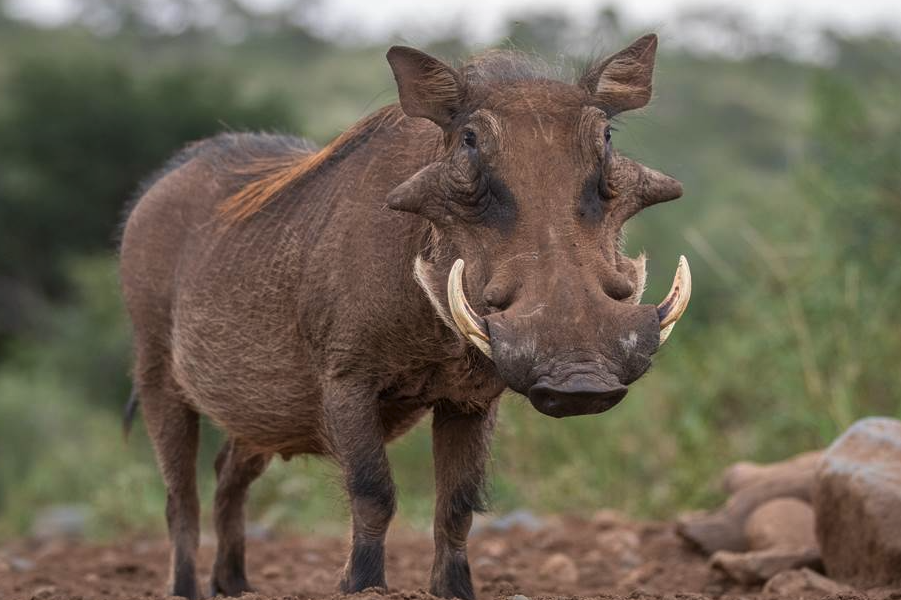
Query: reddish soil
[605, 557]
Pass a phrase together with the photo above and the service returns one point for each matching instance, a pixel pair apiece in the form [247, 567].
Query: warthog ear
[426, 86]
[623, 81]
[412, 193]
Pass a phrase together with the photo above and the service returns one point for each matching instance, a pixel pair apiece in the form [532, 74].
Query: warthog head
[530, 196]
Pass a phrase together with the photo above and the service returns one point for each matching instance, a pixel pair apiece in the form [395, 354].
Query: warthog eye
[608, 133]
[469, 138]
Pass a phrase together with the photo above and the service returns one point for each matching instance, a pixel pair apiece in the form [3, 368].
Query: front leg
[357, 441]
[460, 443]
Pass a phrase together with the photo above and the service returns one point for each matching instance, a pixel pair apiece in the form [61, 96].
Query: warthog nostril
[618, 286]
[577, 395]
[499, 293]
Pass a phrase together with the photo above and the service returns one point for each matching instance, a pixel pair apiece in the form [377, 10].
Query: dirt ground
[605, 557]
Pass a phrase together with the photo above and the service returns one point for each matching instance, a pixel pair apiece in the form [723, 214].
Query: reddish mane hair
[269, 177]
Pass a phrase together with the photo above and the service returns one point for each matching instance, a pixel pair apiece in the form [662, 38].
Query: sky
[483, 19]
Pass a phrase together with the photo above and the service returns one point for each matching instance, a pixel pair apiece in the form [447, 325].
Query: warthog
[315, 301]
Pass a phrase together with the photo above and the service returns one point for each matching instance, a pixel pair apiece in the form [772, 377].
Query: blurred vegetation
[791, 221]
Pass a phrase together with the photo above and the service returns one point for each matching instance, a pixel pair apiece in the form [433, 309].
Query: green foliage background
[791, 221]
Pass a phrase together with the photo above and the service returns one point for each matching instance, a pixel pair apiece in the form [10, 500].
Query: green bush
[78, 134]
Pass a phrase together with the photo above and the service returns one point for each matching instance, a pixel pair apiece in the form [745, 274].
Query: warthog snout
[567, 343]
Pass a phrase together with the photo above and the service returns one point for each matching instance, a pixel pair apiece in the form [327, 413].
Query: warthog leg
[173, 428]
[460, 444]
[235, 471]
[357, 441]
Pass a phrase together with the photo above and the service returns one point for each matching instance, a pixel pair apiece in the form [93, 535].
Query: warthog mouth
[473, 327]
[577, 395]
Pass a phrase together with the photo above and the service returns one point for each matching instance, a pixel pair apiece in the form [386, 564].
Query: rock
[21, 564]
[257, 531]
[60, 521]
[745, 474]
[16, 564]
[761, 565]
[803, 584]
[519, 597]
[857, 501]
[271, 571]
[44, 592]
[517, 519]
[725, 528]
[622, 546]
[781, 523]
[495, 548]
[641, 575]
[561, 568]
[607, 518]
[712, 532]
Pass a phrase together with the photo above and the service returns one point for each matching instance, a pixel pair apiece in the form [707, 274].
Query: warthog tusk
[670, 310]
[471, 325]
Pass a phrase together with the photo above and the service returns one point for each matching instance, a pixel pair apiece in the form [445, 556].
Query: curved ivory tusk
[670, 310]
[471, 325]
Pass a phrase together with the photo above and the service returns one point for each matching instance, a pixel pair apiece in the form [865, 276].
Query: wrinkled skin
[308, 317]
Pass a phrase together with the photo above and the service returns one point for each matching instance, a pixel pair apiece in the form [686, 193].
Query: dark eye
[469, 138]
[608, 133]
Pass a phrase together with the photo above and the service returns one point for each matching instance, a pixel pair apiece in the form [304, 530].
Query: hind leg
[235, 471]
[173, 429]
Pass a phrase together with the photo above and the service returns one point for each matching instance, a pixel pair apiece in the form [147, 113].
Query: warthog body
[299, 297]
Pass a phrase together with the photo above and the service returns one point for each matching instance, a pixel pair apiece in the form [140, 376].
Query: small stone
[43, 592]
[16, 564]
[622, 545]
[519, 597]
[60, 521]
[561, 568]
[271, 571]
[711, 532]
[257, 531]
[641, 575]
[761, 565]
[608, 518]
[20, 564]
[803, 584]
[781, 523]
[494, 548]
[523, 519]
